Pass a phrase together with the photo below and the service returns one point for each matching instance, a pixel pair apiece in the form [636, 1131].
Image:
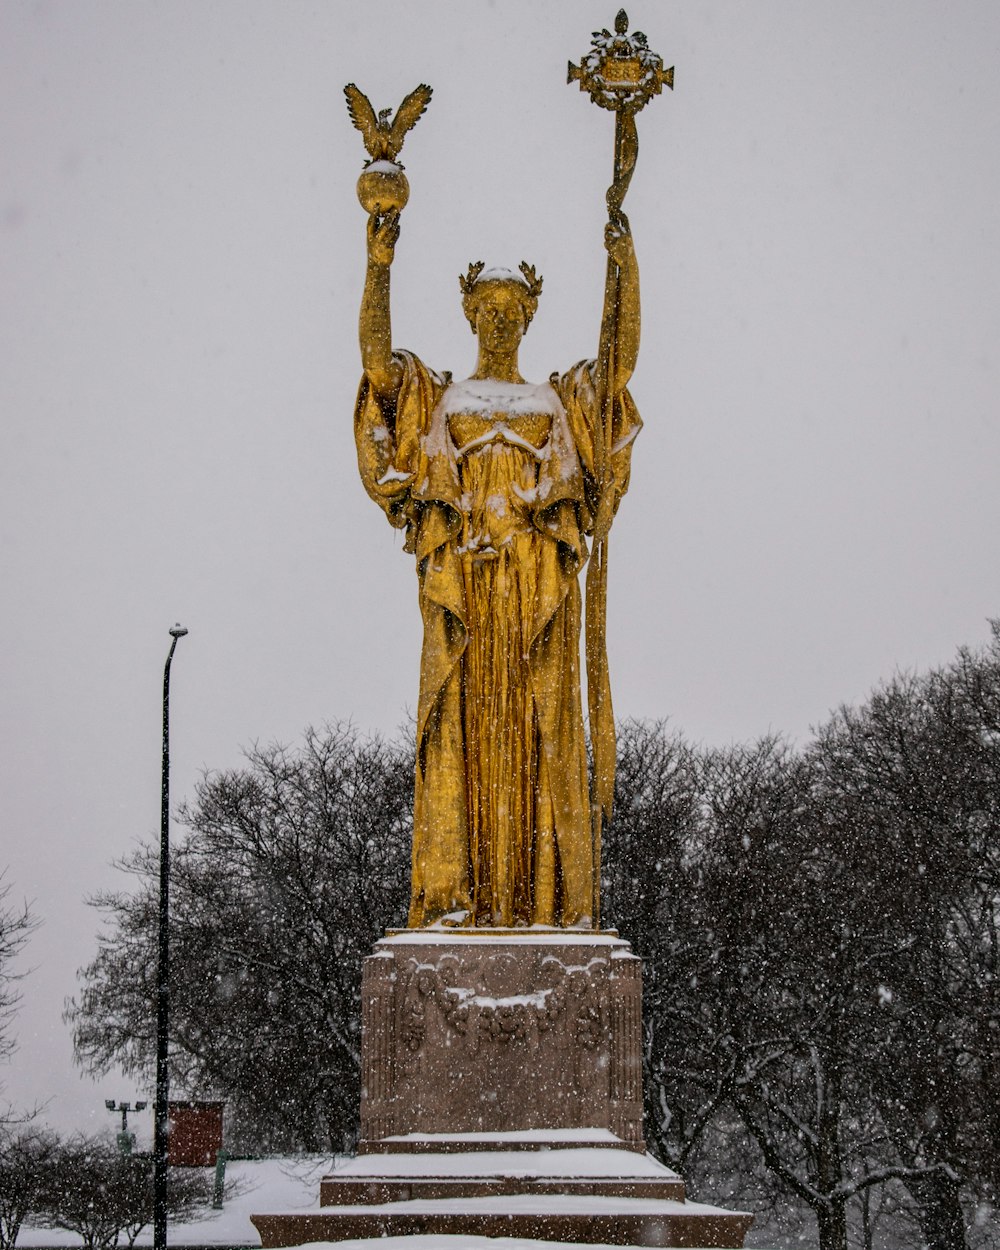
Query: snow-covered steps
[594, 1170]
[595, 1193]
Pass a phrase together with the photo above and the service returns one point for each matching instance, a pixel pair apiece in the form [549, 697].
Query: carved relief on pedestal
[378, 1058]
[626, 1048]
[564, 996]
[481, 1034]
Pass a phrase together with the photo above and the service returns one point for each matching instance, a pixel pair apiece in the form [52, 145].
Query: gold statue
[499, 483]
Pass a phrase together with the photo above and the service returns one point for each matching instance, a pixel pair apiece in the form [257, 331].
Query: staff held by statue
[622, 74]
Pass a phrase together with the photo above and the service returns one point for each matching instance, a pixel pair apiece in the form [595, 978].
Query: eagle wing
[363, 117]
[407, 116]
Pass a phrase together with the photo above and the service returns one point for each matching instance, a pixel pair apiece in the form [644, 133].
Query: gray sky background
[814, 499]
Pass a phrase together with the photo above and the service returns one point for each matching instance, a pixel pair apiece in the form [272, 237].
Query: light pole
[126, 1140]
[163, 975]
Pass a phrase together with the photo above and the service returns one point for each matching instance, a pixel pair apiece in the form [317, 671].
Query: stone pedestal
[501, 1031]
[502, 1096]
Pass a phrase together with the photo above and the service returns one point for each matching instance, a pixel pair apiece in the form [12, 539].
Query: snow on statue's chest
[484, 413]
[501, 434]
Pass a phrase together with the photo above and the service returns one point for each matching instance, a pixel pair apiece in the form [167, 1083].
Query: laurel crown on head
[528, 283]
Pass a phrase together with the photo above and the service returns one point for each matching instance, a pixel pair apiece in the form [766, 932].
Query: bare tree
[292, 868]
[103, 1196]
[916, 773]
[26, 1160]
[16, 926]
[783, 903]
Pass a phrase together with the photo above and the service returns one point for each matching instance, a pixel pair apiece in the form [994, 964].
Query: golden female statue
[493, 480]
[499, 483]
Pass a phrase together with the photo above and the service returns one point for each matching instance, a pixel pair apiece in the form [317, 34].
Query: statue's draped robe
[496, 506]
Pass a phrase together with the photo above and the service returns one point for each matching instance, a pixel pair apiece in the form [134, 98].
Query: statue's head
[482, 286]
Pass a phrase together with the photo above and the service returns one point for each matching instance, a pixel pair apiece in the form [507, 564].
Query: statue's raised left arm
[620, 322]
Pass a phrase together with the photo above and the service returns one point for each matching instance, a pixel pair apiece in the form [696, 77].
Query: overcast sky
[814, 497]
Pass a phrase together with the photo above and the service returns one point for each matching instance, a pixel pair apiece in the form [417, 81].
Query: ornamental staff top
[620, 72]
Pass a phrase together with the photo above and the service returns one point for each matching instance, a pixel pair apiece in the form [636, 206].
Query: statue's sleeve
[389, 437]
[577, 390]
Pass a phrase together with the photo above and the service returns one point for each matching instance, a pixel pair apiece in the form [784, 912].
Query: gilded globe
[383, 186]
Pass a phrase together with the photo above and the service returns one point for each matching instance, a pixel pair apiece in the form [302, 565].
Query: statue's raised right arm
[375, 322]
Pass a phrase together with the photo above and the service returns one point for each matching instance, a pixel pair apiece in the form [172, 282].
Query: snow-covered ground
[259, 1185]
[267, 1185]
[445, 1242]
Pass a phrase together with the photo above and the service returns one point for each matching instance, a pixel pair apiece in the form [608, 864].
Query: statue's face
[500, 317]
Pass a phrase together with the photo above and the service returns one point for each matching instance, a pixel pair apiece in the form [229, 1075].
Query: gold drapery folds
[501, 818]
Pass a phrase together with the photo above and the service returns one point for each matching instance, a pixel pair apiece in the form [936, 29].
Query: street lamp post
[163, 975]
[126, 1140]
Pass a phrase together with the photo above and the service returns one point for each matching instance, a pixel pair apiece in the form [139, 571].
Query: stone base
[493, 1030]
[591, 1190]
[502, 1096]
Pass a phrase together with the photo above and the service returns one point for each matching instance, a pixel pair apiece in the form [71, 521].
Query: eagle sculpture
[383, 141]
